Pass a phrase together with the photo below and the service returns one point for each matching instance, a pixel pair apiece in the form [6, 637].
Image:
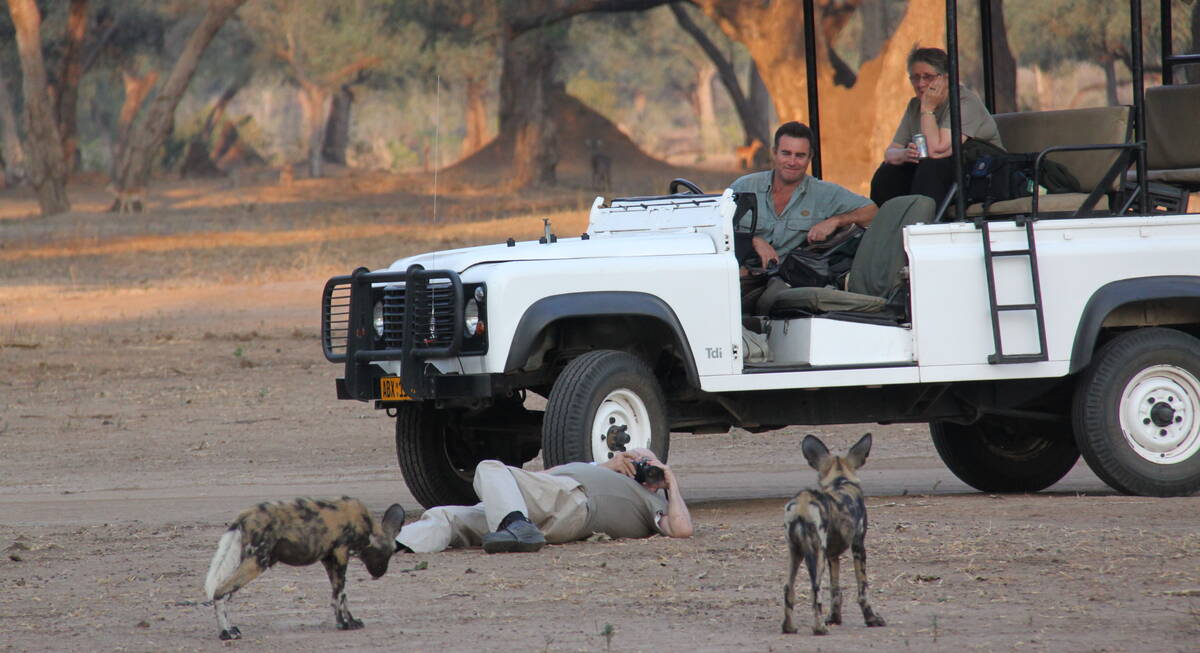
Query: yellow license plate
[391, 390]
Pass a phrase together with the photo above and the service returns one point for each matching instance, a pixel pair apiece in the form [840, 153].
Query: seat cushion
[1054, 203]
[1186, 177]
[1172, 127]
[1032, 131]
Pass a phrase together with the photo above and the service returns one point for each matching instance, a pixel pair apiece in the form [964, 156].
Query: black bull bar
[429, 328]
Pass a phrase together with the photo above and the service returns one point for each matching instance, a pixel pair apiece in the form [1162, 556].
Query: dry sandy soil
[160, 372]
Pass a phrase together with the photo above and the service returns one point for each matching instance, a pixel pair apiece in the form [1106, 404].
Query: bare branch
[725, 70]
[349, 71]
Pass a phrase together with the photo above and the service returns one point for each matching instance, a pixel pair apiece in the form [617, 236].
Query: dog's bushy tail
[225, 561]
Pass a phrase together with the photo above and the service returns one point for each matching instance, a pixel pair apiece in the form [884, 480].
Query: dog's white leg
[224, 566]
[228, 630]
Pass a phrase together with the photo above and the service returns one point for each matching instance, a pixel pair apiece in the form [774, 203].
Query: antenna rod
[437, 144]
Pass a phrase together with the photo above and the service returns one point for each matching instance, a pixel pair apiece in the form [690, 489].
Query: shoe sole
[512, 546]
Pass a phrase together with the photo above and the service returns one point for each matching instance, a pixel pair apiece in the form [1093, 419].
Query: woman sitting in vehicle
[913, 167]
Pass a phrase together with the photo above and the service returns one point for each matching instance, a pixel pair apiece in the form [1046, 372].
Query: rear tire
[596, 392]
[1005, 454]
[1137, 413]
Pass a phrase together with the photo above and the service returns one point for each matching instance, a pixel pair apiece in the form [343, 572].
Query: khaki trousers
[556, 504]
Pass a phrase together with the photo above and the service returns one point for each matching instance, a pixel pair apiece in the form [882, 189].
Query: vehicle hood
[603, 246]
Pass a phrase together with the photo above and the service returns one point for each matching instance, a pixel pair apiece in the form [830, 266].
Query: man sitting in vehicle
[522, 510]
[794, 207]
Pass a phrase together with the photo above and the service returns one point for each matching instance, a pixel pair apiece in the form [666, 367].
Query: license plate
[391, 390]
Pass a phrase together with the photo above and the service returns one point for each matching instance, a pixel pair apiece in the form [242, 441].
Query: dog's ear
[393, 519]
[858, 453]
[815, 451]
[383, 547]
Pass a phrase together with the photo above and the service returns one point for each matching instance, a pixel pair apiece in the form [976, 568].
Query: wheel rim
[1158, 414]
[620, 408]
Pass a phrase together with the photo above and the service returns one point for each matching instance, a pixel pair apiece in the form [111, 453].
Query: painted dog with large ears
[300, 533]
[821, 525]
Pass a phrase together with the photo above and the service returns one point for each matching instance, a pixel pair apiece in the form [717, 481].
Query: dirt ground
[161, 372]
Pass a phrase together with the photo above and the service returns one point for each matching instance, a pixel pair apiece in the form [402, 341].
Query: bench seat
[1033, 131]
[1172, 135]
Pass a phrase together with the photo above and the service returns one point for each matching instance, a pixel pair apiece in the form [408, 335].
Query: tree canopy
[374, 83]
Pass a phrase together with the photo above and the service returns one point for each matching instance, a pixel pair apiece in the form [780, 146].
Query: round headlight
[378, 318]
[471, 318]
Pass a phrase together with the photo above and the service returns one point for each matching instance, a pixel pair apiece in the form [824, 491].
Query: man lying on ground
[522, 510]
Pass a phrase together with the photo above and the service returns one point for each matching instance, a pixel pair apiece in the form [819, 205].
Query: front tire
[436, 468]
[597, 394]
[1005, 454]
[1137, 413]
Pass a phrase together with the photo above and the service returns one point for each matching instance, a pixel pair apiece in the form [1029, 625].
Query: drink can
[922, 148]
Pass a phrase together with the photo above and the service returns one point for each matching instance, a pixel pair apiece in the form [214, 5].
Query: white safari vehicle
[1025, 335]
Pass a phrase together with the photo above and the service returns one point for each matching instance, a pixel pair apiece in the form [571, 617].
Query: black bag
[824, 263]
[997, 175]
[801, 268]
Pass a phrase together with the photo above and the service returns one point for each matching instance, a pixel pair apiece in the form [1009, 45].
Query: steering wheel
[673, 189]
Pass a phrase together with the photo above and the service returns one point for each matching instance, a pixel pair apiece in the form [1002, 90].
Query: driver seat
[875, 274]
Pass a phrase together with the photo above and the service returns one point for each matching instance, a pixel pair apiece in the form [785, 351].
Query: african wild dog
[821, 524]
[299, 533]
[601, 164]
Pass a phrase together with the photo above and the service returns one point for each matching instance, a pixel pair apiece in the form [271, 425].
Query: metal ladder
[989, 262]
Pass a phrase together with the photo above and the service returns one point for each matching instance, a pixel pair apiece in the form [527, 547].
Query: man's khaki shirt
[812, 201]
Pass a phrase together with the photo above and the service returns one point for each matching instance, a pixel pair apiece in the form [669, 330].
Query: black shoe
[519, 536]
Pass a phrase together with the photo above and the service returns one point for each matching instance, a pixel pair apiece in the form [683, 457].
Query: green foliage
[402, 156]
[1056, 33]
[324, 37]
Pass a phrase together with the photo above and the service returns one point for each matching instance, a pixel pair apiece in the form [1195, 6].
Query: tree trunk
[1004, 64]
[876, 22]
[476, 116]
[337, 128]
[70, 72]
[137, 157]
[47, 170]
[706, 113]
[136, 91]
[1110, 80]
[314, 116]
[526, 89]
[1045, 89]
[14, 152]
[762, 109]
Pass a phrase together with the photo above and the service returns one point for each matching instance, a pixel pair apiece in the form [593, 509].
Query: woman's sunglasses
[926, 77]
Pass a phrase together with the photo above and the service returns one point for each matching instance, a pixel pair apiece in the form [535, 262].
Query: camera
[644, 472]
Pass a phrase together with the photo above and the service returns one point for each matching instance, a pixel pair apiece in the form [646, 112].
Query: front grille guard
[348, 335]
